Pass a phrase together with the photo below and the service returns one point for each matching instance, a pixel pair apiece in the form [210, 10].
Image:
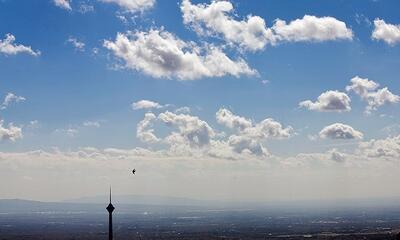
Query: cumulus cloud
[78, 45]
[311, 28]
[8, 47]
[329, 101]
[190, 135]
[246, 144]
[11, 98]
[144, 131]
[388, 148]
[369, 92]
[227, 118]
[187, 133]
[132, 5]
[215, 18]
[340, 131]
[392, 129]
[145, 104]
[11, 132]
[65, 4]
[252, 33]
[250, 136]
[336, 155]
[160, 54]
[192, 130]
[386, 32]
[361, 86]
[267, 128]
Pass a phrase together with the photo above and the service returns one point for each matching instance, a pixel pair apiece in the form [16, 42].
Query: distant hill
[145, 200]
[160, 204]
[29, 206]
[94, 205]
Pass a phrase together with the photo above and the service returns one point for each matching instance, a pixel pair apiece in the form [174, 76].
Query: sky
[221, 100]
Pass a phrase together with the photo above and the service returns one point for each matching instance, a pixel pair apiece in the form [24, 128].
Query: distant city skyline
[241, 100]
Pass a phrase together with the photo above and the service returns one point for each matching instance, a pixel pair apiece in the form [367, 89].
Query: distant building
[110, 208]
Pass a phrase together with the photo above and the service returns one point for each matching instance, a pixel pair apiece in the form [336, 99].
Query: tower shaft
[110, 227]
[110, 208]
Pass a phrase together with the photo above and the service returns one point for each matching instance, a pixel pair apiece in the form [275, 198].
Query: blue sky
[66, 86]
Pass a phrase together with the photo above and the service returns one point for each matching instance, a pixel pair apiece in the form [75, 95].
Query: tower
[110, 208]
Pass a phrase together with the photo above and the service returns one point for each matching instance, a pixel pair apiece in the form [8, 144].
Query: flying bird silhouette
[133, 171]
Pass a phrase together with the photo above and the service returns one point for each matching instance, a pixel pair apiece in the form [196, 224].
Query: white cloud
[133, 5]
[227, 118]
[160, 54]
[12, 133]
[329, 101]
[386, 32]
[392, 130]
[311, 28]
[91, 124]
[78, 45]
[192, 130]
[190, 135]
[361, 86]
[63, 4]
[245, 144]
[8, 47]
[10, 98]
[143, 130]
[336, 155]
[340, 131]
[388, 148]
[217, 18]
[267, 128]
[145, 104]
[369, 92]
[250, 137]
[381, 97]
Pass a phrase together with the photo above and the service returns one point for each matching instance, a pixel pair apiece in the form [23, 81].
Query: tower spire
[110, 193]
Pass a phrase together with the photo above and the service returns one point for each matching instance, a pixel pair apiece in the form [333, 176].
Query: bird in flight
[133, 171]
